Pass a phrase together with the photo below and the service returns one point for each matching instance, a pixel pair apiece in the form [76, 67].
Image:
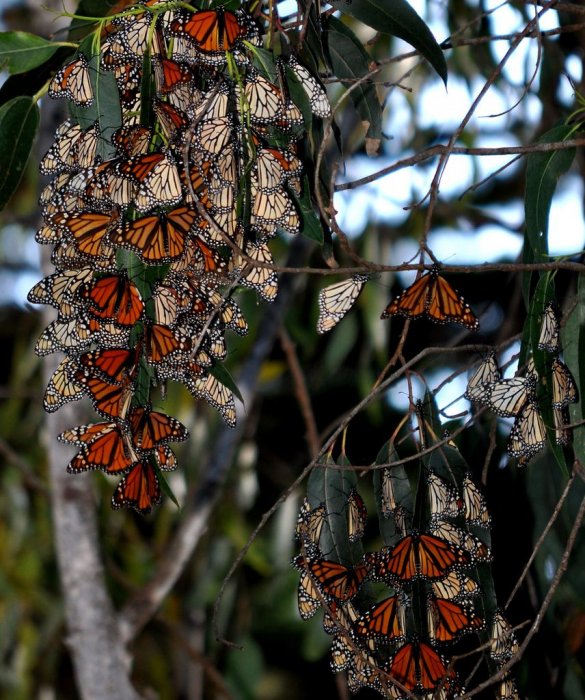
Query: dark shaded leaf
[573, 336]
[19, 121]
[397, 18]
[350, 61]
[543, 171]
[312, 228]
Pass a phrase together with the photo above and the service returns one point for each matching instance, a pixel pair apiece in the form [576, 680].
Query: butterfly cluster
[425, 582]
[161, 204]
[517, 397]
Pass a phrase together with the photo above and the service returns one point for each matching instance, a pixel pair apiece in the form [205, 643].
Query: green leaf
[397, 18]
[573, 337]
[543, 171]
[19, 121]
[21, 51]
[312, 228]
[350, 61]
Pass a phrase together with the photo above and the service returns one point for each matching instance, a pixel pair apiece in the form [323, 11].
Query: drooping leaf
[350, 61]
[397, 18]
[21, 51]
[543, 171]
[573, 337]
[19, 121]
[312, 228]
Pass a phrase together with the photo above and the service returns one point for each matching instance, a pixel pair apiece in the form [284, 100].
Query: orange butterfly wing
[447, 306]
[116, 298]
[89, 231]
[112, 362]
[337, 580]
[110, 452]
[437, 556]
[139, 489]
[382, 619]
[447, 620]
[412, 303]
[151, 428]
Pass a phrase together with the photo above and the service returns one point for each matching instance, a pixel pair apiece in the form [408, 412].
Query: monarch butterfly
[341, 653]
[216, 394]
[274, 207]
[507, 689]
[528, 434]
[85, 434]
[211, 136]
[474, 503]
[111, 400]
[336, 300]
[108, 449]
[150, 428]
[447, 620]
[61, 290]
[116, 298]
[549, 338]
[213, 31]
[418, 666]
[564, 389]
[561, 420]
[357, 516]
[263, 100]
[143, 166]
[416, 556]
[168, 74]
[309, 526]
[339, 616]
[72, 334]
[385, 620]
[62, 387]
[432, 296]
[139, 489]
[161, 187]
[73, 82]
[111, 363]
[172, 120]
[364, 671]
[89, 230]
[503, 644]
[159, 238]
[317, 96]
[166, 305]
[106, 189]
[132, 139]
[73, 149]
[334, 580]
[308, 599]
[477, 550]
[455, 586]
[161, 341]
[444, 501]
[487, 373]
[262, 279]
[508, 397]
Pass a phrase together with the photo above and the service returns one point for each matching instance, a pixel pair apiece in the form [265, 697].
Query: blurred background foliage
[177, 655]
